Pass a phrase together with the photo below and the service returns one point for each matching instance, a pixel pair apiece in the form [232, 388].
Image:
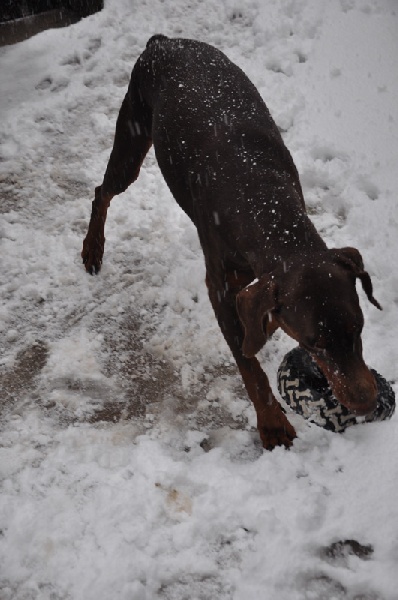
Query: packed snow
[130, 464]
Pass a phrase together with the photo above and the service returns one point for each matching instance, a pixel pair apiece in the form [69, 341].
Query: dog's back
[220, 151]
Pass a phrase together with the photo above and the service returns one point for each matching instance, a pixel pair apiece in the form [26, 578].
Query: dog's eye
[320, 347]
[311, 342]
[316, 344]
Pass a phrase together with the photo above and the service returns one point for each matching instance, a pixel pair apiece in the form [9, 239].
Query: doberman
[226, 165]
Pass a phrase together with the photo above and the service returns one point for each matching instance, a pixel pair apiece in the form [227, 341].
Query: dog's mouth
[355, 387]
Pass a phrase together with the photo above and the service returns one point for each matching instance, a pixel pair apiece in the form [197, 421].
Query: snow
[130, 464]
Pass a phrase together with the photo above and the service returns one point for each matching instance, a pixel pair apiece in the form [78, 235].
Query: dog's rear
[225, 162]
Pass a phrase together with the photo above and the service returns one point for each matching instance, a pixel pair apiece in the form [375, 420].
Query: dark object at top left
[20, 9]
[20, 19]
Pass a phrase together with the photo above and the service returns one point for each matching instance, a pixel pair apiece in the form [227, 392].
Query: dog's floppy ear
[351, 258]
[252, 303]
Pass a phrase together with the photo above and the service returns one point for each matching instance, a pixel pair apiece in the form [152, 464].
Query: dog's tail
[156, 39]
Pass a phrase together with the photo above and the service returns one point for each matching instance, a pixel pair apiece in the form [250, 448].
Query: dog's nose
[362, 409]
[362, 399]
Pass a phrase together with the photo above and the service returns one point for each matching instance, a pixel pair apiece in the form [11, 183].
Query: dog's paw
[92, 253]
[281, 436]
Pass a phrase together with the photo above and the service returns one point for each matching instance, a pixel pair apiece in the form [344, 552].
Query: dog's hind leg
[133, 138]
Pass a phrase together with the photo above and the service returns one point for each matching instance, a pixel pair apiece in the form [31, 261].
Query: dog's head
[314, 300]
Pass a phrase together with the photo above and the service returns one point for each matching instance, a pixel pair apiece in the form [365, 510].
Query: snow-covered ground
[129, 462]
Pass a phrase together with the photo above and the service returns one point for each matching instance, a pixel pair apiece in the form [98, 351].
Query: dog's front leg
[93, 244]
[132, 142]
[274, 428]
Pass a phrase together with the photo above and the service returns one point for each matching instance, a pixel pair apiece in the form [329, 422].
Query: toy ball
[306, 391]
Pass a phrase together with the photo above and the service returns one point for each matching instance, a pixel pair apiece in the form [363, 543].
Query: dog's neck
[282, 239]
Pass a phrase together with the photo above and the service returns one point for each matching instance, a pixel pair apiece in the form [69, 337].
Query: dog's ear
[351, 259]
[252, 303]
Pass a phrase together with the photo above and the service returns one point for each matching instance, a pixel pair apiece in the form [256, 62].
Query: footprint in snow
[78, 57]
[368, 187]
[339, 552]
[48, 83]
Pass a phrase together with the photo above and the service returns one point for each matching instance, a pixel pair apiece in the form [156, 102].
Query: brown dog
[224, 161]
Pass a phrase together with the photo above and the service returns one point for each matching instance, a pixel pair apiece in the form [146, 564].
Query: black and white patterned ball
[306, 391]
